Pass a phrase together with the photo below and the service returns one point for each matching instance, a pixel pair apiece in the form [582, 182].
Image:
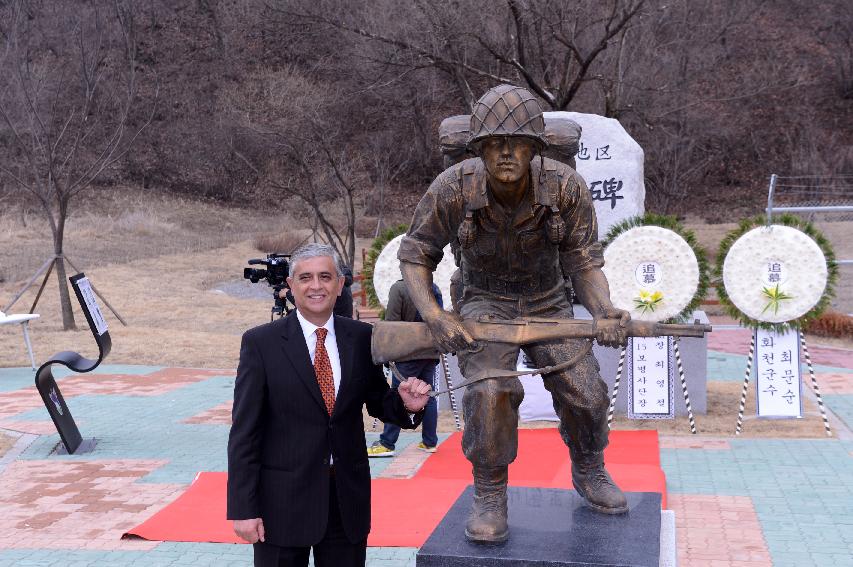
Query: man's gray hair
[315, 250]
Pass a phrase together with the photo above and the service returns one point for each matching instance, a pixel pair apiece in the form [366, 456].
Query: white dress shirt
[309, 331]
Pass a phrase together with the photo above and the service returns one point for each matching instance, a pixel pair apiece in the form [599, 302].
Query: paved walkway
[738, 502]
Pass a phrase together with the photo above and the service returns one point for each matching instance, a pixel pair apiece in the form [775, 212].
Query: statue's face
[507, 158]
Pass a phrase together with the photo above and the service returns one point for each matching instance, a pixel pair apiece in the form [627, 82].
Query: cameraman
[343, 305]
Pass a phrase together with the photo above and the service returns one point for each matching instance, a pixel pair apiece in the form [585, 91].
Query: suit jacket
[281, 434]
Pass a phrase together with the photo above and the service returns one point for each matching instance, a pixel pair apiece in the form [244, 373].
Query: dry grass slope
[156, 260]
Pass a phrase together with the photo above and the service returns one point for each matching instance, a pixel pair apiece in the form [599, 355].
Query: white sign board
[650, 372]
[91, 304]
[611, 163]
[777, 370]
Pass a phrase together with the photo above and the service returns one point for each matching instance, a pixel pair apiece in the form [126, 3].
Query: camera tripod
[280, 307]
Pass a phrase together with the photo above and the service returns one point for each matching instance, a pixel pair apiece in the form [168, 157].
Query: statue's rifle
[397, 341]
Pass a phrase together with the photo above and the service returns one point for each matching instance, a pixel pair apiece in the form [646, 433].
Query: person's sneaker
[380, 450]
[423, 447]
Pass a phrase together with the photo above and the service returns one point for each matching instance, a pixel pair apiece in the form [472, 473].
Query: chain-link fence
[816, 198]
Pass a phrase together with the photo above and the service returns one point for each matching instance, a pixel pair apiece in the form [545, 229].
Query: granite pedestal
[552, 527]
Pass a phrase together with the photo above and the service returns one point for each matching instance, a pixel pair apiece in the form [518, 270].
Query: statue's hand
[612, 329]
[448, 332]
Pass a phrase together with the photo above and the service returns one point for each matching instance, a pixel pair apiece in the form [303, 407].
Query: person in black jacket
[343, 305]
[401, 308]
[298, 475]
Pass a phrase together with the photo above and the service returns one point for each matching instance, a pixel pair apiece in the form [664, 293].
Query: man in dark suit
[298, 475]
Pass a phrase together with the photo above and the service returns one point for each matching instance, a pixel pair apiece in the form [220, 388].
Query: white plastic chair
[22, 319]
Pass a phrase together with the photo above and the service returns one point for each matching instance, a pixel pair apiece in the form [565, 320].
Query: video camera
[276, 273]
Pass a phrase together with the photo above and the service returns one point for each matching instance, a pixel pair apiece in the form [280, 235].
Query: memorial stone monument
[611, 163]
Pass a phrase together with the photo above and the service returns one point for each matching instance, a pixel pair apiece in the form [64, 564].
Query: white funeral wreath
[775, 274]
[652, 271]
[386, 271]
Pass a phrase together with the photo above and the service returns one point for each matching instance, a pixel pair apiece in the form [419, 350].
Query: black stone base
[552, 527]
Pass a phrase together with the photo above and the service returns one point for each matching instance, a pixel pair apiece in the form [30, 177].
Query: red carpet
[197, 515]
[632, 458]
[541, 454]
[405, 511]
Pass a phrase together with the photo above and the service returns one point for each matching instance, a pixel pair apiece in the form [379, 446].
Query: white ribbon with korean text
[777, 370]
[650, 372]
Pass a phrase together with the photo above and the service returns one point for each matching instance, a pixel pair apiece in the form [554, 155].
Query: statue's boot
[592, 481]
[487, 521]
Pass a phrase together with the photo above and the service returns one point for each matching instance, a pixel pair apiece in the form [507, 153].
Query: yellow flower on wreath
[647, 300]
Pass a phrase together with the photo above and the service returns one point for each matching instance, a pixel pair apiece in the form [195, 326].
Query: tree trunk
[68, 323]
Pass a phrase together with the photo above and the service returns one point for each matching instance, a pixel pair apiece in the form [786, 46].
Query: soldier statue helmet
[507, 110]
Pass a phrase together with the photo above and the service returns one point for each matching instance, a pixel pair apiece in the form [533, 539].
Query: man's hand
[415, 394]
[448, 332]
[250, 530]
[610, 330]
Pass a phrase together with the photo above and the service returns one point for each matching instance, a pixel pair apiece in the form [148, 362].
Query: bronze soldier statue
[523, 232]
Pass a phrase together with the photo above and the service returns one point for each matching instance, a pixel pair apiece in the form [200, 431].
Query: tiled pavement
[737, 502]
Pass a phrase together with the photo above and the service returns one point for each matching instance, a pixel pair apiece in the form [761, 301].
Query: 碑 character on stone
[523, 232]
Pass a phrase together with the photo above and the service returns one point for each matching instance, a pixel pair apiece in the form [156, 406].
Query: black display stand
[552, 527]
[46, 383]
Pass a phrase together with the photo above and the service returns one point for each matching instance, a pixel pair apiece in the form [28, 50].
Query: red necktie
[323, 370]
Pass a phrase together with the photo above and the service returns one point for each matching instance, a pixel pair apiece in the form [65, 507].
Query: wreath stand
[815, 387]
[615, 393]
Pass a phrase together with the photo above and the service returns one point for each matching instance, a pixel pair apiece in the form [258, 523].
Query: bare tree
[836, 36]
[696, 82]
[548, 45]
[385, 170]
[69, 110]
[286, 132]
[673, 174]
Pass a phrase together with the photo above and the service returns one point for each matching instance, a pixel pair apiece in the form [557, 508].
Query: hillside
[249, 99]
